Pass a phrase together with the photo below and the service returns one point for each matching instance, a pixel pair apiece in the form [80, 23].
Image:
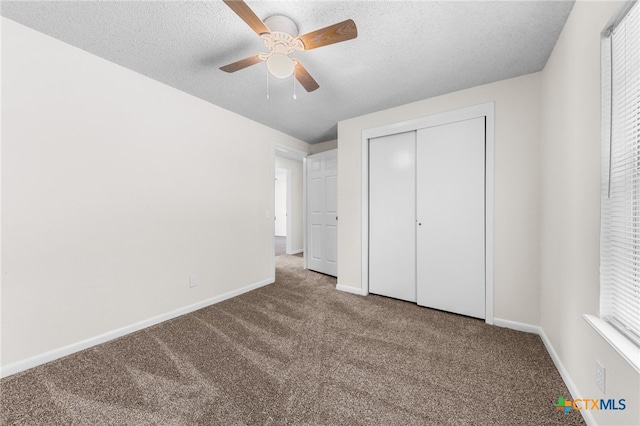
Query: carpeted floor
[299, 352]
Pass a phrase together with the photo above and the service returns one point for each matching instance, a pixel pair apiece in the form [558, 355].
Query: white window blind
[620, 229]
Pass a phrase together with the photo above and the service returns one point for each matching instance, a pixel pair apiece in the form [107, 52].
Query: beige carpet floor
[299, 352]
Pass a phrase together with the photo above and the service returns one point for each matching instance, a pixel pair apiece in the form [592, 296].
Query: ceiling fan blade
[304, 78]
[342, 31]
[246, 14]
[241, 64]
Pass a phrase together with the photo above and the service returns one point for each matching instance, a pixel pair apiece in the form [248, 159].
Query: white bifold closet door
[451, 217]
[392, 229]
[427, 216]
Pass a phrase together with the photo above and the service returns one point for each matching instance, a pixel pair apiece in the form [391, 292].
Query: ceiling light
[280, 65]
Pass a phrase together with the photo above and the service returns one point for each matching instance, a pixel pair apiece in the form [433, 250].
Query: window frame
[613, 323]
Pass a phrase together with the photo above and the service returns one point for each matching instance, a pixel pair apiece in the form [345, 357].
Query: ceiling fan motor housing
[283, 37]
[281, 24]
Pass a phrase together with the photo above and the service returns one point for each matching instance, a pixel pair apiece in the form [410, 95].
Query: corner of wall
[570, 216]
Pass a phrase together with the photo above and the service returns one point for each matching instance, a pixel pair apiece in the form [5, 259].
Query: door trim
[482, 110]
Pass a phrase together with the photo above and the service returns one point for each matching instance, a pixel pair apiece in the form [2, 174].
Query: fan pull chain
[267, 82]
[294, 87]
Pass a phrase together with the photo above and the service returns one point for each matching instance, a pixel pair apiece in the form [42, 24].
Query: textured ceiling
[405, 50]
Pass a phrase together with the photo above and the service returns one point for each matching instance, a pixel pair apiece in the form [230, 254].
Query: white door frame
[483, 110]
[288, 225]
[305, 260]
[289, 240]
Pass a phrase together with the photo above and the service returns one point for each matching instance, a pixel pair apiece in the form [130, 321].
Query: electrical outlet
[600, 376]
[192, 281]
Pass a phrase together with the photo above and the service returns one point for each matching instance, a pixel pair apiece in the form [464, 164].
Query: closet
[426, 216]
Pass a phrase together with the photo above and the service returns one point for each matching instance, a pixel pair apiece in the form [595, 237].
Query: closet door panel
[450, 214]
[392, 233]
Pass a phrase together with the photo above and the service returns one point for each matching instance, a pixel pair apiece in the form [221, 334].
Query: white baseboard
[573, 389]
[349, 289]
[298, 251]
[514, 325]
[37, 360]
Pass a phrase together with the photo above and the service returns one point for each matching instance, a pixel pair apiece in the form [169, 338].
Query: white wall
[571, 211]
[517, 188]
[295, 168]
[115, 188]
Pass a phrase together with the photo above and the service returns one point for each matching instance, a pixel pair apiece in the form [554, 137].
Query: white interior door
[322, 212]
[451, 217]
[392, 222]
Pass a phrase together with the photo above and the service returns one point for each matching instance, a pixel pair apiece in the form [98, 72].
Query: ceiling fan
[280, 35]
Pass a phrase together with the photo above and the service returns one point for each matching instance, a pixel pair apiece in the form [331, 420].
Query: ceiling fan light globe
[280, 65]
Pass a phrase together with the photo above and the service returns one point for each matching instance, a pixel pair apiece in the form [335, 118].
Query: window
[620, 228]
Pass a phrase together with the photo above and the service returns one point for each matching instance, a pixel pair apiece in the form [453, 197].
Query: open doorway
[288, 168]
[281, 208]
